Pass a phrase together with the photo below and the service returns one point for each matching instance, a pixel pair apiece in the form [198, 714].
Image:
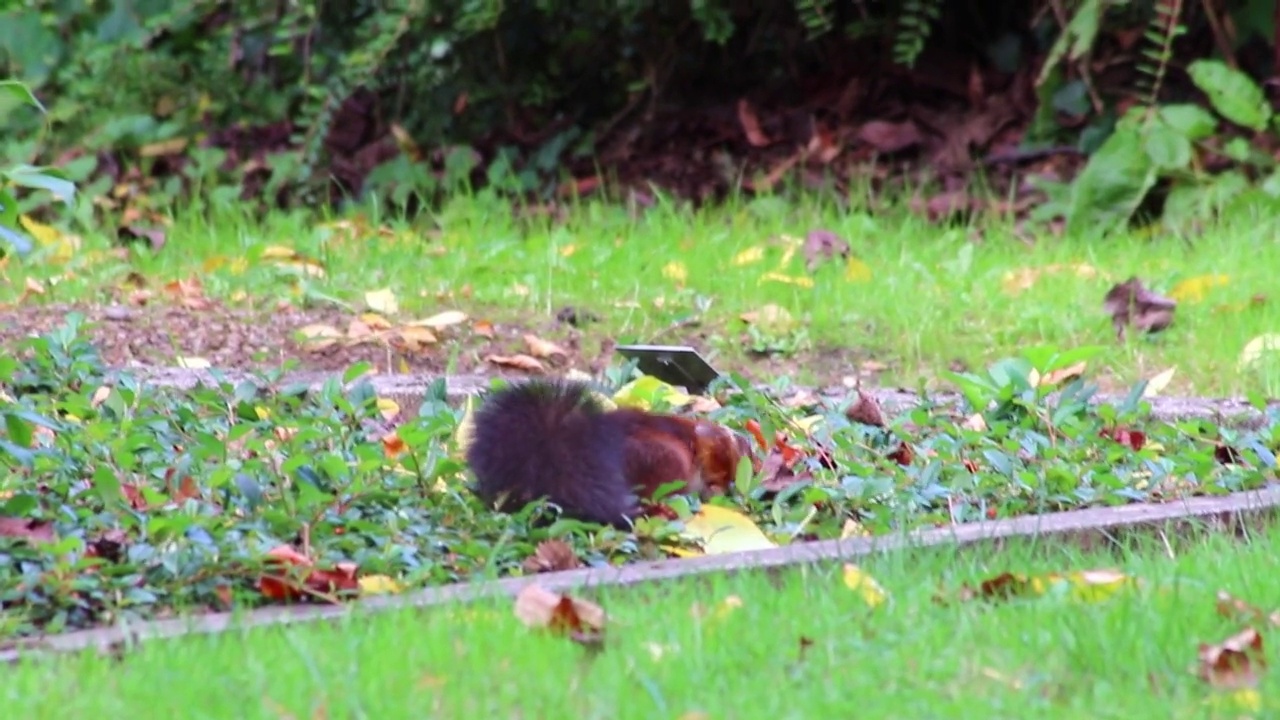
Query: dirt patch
[263, 338]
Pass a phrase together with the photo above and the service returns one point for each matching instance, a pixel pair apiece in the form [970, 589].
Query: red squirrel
[554, 440]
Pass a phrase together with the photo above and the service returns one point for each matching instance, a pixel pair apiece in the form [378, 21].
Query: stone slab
[1232, 513]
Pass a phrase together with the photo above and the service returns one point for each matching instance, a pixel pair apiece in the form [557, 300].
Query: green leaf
[1233, 94]
[1193, 121]
[43, 178]
[1112, 184]
[1167, 148]
[15, 91]
[19, 430]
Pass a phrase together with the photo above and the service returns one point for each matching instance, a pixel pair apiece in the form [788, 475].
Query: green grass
[681, 651]
[935, 296]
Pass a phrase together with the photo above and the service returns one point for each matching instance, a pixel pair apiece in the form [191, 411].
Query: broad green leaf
[43, 178]
[14, 91]
[1234, 94]
[1112, 184]
[1193, 121]
[1167, 148]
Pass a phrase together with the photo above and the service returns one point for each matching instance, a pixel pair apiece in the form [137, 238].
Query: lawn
[915, 297]
[795, 644]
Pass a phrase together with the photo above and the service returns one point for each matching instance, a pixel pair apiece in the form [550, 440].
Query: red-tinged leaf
[1135, 439]
[903, 455]
[26, 528]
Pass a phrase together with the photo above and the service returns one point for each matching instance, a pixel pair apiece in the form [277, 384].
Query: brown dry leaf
[286, 585]
[31, 286]
[1235, 662]
[887, 137]
[1062, 375]
[483, 328]
[1131, 303]
[375, 321]
[865, 410]
[318, 336]
[552, 556]
[416, 338]
[518, 361]
[543, 348]
[188, 293]
[820, 245]
[1234, 608]
[751, 125]
[581, 620]
[26, 528]
[1082, 585]
[100, 395]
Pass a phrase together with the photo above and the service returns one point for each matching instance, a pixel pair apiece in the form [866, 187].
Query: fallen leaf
[1131, 304]
[1233, 663]
[749, 256]
[540, 608]
[1062, 375]
[27, 529]
[751, 125]
[382, 301]
[441, 320]
[1234, 608]
[821, 245]
[518, 361]
[864, 585]
[1193, 290]
[1159, 382]
[722, 530]
[193, 363]
[887, 137]
[379, 585]
[675, 270]
[318, 336]
[805, 282]
[552, 556]
[543, 348]
[865, 410]
[1259, 347]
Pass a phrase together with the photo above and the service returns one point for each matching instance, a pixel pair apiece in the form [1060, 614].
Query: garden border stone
[1235, 513]
[408, 390]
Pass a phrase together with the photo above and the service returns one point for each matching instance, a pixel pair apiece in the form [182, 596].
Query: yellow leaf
[388, 408]
[800, 280]
[646, 391]
[1194, 289]
[382, 301]
[864, 585]
[568, 250]
[722, 530]
[379, 585]
[857, 270]
[41, 233]
[263, 413]
[279, 252]
[853, 529]
[749, 256]
[675, 270]
[466, 432]
[1157, 384]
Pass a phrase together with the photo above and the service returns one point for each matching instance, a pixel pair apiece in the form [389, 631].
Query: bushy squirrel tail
[552, 440]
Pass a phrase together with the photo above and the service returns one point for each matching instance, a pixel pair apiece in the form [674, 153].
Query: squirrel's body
[553, 440]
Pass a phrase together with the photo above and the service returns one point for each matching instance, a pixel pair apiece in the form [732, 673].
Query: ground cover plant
[124, 502]
[759, 286]
[1155, 627]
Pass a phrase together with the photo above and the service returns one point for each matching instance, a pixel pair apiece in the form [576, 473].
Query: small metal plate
[672, 364]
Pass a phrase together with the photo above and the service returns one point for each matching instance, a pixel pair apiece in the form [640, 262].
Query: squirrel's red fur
[553, 440]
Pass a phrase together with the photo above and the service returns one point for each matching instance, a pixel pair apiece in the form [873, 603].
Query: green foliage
[22, 175]
[1168, 143]
[149, 501]
[915, 23]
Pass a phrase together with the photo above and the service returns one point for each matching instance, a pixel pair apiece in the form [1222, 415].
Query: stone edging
[408, 390]
[1089, 525]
